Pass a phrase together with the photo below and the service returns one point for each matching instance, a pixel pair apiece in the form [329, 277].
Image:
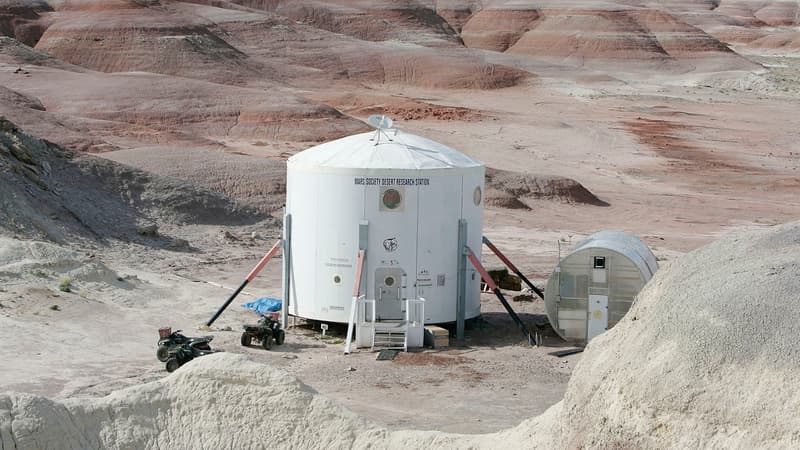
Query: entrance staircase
[389, 334]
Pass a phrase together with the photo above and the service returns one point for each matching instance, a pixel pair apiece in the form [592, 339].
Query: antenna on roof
[381, 124]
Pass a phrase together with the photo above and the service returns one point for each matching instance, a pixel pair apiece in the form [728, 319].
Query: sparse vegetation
[40, 273]
[65, 285]
[330, 339]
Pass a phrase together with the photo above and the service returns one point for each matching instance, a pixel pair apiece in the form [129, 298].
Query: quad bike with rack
[170, 340]
[265, 331]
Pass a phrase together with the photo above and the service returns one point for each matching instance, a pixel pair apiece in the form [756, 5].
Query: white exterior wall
[324, 243]
[327, 204]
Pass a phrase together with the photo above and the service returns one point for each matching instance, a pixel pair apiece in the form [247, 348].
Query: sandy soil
[482, 378]
[706, 358]
[685, 132]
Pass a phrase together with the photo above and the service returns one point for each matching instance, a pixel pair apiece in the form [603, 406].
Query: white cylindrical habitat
[400, 197]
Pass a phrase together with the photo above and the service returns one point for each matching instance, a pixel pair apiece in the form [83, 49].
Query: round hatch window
[477, 195]
[388, 281]
[392, 198]
[337, 279]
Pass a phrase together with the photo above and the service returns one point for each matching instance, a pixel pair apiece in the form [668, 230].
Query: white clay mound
[218, 401]
[707, 357]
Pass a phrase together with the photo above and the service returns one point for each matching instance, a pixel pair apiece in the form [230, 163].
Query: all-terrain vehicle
[186, 352]
[266, 331]
[170, 340]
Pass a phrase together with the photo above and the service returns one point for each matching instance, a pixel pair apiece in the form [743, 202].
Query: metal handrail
[362, 303]
[418, 321]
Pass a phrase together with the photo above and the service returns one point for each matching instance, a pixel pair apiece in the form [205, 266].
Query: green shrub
[65, 285]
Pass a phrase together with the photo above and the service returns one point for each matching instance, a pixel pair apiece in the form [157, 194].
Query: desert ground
[675, 121]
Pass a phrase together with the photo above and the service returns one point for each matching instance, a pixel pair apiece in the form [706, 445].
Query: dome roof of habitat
[387, 149]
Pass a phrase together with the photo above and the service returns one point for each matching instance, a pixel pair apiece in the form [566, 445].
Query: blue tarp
[264, 305]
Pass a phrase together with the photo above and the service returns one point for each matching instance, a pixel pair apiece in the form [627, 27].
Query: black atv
[186, 352]
[170, 340]
[265, 331]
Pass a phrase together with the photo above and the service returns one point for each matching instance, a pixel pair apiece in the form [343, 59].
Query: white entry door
[598, 316]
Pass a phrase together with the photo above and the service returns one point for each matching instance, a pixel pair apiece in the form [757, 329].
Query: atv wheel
[246, 339]
[162, 353]
[172, 365]
[280, 337]
[266, 342]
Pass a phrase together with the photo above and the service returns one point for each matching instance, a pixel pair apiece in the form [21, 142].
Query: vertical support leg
[461, 299]
[287, 268]
[350, 324]
[354, 302]
[363, 242]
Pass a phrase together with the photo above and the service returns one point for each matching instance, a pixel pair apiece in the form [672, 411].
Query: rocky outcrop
[50, 193]
[21, 19]
[498, 29]
[262, 49]
[762, 13]
[622, 33]
[146, 40]
[375, 21]
[506, 189]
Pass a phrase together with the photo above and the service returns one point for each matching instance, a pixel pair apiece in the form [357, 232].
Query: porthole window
[337, 279]
[388, 281]
[477, 195]
[391, 199]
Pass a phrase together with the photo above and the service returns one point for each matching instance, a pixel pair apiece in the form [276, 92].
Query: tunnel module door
[389, 286]
[597, 320]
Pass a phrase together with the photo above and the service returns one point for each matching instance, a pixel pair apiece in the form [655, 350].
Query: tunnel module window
[599, 262]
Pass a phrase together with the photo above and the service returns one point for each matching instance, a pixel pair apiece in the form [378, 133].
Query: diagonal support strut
[511, 266]
[532, 339]
[263, 262]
